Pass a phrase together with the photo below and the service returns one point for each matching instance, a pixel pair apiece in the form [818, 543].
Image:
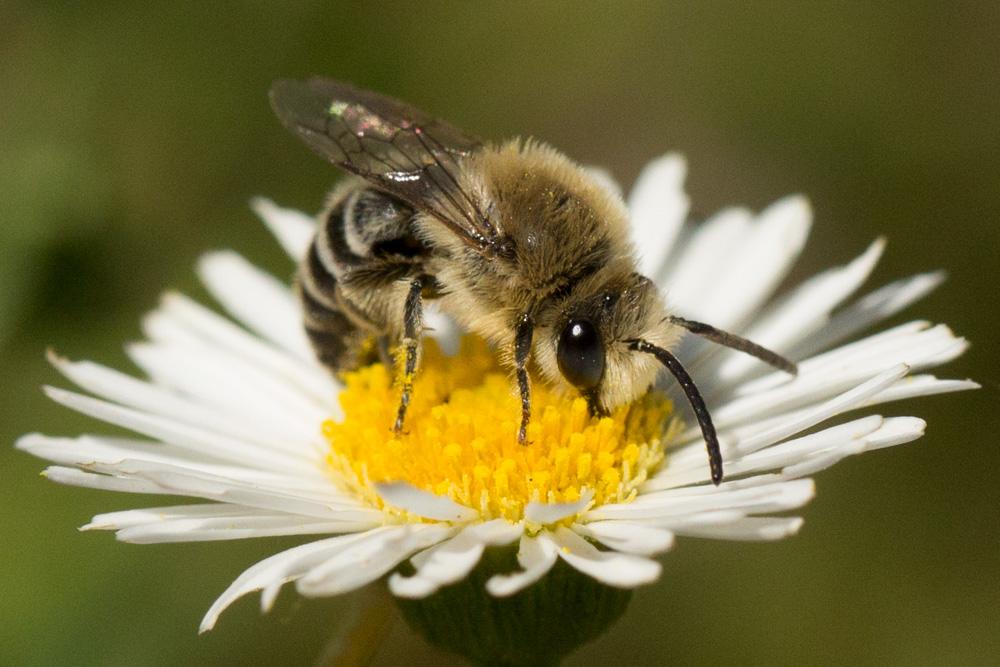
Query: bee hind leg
[412, 326]
[522, 348]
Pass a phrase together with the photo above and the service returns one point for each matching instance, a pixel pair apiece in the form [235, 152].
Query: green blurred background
[133, 134]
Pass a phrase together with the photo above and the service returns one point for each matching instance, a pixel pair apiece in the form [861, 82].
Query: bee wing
[392, 145]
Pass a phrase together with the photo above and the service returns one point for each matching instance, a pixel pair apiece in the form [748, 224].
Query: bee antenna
[735, 342]
[693, 397]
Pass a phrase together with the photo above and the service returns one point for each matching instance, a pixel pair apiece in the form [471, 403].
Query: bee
[514, 240]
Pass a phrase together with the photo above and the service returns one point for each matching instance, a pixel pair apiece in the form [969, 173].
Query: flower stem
[356, 641]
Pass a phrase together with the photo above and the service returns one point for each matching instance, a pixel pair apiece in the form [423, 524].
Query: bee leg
[594, 404]
[522, 348]
[412, 325]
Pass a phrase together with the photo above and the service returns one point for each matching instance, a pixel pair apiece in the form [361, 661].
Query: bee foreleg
[522, 348]
[412, 326]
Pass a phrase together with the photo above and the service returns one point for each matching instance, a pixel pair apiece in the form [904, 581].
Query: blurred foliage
[133, 134]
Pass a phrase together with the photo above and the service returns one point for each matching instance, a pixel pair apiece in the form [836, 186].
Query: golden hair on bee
[558, 222]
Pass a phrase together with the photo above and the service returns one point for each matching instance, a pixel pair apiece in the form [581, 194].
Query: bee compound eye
[580, 354]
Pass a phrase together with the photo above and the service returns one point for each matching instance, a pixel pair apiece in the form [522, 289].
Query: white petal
[751, 528]
[841, 439]
[244, 395]
[776, 456]
[915, 343]
[893, 431]
[416, 587]
[806, 390]
[244, 487]
[658, 206]
[798, 315]
[498, 532]
[179, 434]
[210, 512]
[812, 416]
[748, 496]
[442, 328]
[279, 496]
[452, 560]
[743, 461]
[201, 328]
[423, 503]
[897, 431]
[765, 431]
[628, 537]
[821, 378]
[772, 244]
[608, 567]
[920, 385]
[258, 300]
[823, 460]
[676, 524]
[874, 307]
[366, 561]
[129, 458]
[769, 431]
[293, 229]
[89, 480]
[545, 514]
[281, 568]
[709, 250]
[536, 558]
[137, 517]
[231, 528]
[85, 450]
[132, 392]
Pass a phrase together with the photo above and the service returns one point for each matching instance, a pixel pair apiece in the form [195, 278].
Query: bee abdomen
[363, 245]
[336, 338]
[361, 226]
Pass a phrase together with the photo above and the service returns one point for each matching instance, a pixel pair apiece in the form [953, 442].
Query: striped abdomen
[362, 246]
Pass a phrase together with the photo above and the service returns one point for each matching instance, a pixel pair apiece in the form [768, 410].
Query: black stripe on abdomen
[334, 337]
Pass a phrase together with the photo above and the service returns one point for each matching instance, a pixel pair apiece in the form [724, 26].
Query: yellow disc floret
[460, 438]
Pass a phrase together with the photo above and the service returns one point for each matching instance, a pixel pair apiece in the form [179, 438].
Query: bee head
[590, 340]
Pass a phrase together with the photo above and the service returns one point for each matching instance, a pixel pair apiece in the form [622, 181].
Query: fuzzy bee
[515, 241]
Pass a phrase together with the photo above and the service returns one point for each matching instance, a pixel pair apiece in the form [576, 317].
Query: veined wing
[397, 148]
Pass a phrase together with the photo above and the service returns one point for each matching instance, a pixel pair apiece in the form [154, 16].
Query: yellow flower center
[460, 437]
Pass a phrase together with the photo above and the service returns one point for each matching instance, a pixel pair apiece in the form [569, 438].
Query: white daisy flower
[237, 412]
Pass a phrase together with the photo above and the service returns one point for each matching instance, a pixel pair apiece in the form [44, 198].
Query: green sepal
[541, 625]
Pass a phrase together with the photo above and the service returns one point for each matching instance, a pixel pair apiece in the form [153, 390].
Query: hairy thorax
[560, 228]
[568, 256]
